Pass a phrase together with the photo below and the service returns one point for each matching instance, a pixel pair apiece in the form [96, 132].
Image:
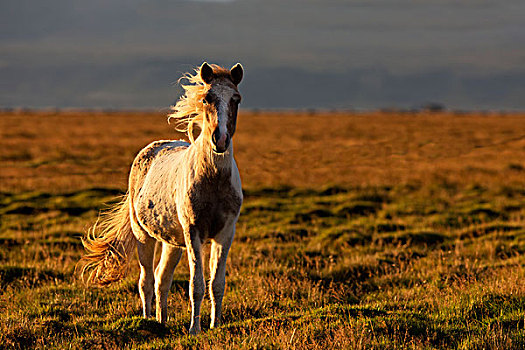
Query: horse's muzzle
[220, 142]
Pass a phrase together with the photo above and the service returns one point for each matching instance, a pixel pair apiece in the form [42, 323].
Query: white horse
[180, 194]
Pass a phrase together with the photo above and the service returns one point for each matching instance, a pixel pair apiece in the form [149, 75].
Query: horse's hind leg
[163, 277]
[146, 252]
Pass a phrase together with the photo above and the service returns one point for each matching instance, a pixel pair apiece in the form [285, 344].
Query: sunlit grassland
[357, 231]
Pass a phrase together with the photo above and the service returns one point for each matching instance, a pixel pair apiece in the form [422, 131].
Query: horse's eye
[236, 99]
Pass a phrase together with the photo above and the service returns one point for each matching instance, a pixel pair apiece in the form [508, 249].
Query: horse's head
[221, 104]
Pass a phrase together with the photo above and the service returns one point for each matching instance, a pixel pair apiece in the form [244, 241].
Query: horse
[181, 194]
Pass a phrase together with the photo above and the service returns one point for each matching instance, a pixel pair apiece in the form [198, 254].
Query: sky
[328, 54]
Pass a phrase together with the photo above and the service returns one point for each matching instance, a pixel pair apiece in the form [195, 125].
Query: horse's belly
[161, 222]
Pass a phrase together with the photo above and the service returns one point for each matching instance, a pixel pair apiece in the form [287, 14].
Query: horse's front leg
[197, 284]
[218, 255]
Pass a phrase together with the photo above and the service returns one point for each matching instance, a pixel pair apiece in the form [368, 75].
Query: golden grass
[72, 150]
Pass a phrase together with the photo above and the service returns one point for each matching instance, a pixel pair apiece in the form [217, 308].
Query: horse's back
[154, 150]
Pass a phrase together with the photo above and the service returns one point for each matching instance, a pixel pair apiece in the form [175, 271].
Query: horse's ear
[206, 73]
[237, 73]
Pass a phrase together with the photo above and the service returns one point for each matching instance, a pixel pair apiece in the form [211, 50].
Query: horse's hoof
[194, 331]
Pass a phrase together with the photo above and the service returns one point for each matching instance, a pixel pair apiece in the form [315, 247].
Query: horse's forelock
[220, 73]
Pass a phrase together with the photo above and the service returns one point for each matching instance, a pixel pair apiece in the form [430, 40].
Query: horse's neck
[208, 163]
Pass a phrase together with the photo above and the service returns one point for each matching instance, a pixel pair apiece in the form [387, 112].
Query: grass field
[358, 231]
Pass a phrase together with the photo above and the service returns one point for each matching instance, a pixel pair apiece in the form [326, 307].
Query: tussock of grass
[428, 238]
[357, 208]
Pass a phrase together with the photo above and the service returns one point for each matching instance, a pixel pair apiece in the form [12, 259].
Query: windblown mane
[189, 109]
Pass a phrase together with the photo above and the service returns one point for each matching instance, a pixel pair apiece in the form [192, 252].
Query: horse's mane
[189, 109]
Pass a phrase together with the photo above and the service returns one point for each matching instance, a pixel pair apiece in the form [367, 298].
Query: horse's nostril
[216, 136]
[220, 141]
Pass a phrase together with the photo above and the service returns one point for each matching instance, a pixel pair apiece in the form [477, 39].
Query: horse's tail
[109, 244]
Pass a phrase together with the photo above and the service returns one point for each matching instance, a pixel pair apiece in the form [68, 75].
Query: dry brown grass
[72, 150]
